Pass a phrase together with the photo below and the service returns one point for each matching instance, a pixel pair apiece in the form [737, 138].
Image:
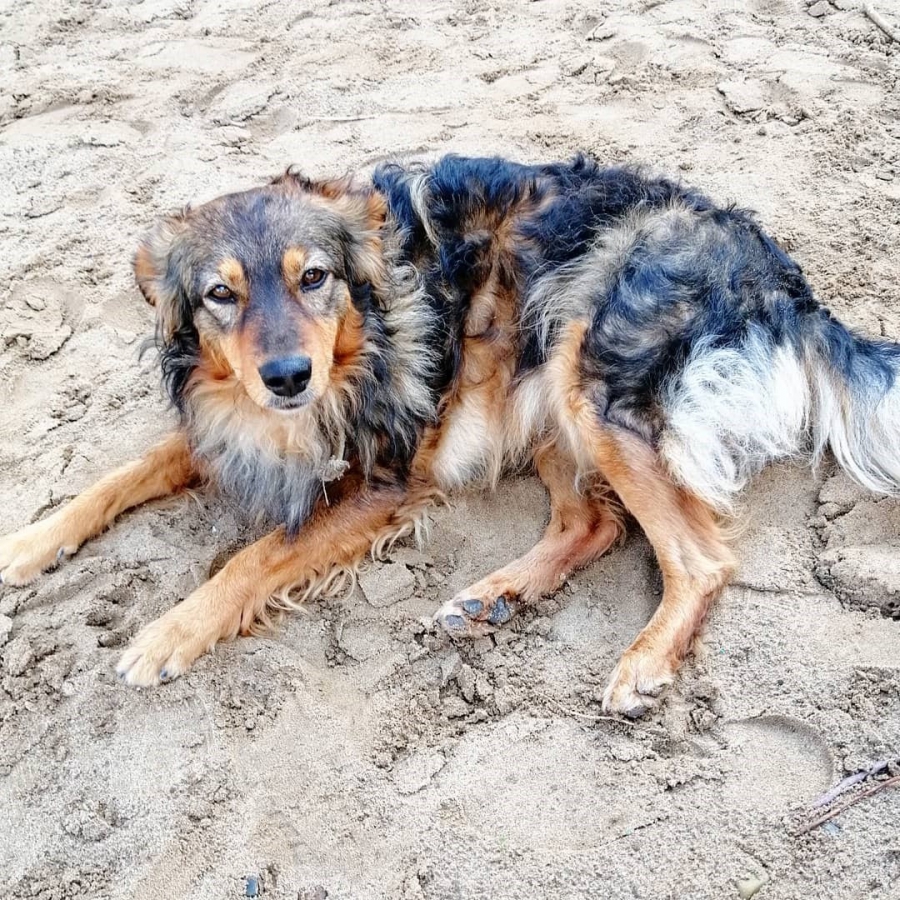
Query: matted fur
[644, 349]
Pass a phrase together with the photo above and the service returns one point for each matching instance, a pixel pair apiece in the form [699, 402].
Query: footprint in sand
[779, 763]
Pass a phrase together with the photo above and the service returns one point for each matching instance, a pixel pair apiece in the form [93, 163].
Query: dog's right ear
[155, 271]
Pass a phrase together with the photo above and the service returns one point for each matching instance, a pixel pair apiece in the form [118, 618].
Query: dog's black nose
[288, 376]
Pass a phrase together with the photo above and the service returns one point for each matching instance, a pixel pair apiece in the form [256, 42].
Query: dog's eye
[313, 278]
[220, 294]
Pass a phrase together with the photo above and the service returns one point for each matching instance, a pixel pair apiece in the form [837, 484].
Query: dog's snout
[287, 376]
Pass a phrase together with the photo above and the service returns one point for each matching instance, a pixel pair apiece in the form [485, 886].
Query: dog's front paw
[166, 648]
[468, 615]
[637, 683]
[27, 553]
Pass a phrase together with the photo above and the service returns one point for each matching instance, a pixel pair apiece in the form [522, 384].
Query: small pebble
[466, 681]
[316, 893]
[385, 585]
[18, 656]
[450, 667]
[602, 32]
[748, 887]
[455, 708]
[6, 624]
[576, 67]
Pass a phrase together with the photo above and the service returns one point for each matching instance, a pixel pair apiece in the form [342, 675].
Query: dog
[342, 353]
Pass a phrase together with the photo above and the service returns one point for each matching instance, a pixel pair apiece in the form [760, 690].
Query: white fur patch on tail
[861, 424]
[731, 411]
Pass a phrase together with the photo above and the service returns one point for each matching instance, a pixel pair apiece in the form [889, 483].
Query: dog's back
[700, 334]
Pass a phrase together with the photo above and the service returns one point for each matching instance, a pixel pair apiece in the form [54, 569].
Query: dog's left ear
[154, 271]
[363, 211]
[366, 212]
[361, 204]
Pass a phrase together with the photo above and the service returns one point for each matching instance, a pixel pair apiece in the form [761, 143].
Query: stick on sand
[881, 22]
[881, 786]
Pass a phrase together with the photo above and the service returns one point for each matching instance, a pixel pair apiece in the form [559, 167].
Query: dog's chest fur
[272, 469]
[489, 420]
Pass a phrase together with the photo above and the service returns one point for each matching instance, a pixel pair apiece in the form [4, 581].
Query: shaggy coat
[341, 353]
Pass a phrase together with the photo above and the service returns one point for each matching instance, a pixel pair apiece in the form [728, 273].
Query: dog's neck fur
[264, 462]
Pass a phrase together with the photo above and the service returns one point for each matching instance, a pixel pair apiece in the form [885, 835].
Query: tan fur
[583, 526]
[364, 210]
[165, 469]
[233, 276]
[262, 576]
[318, 336]
[489, 421]
[150, 268]
[241, 351]
[470, 441]
[348, 342]
[293, 265]
[226, 412]
[145, 272]
[685, 533]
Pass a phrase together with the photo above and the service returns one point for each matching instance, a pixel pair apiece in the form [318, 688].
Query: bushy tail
[855, 391]
[731, 410]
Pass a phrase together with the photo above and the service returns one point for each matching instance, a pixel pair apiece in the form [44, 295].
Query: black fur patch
[682, 274]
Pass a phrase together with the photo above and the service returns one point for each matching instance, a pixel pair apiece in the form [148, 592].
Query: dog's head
[258, 286]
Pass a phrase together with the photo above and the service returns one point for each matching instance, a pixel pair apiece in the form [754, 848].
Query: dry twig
[843, 786]
[881, 22]
[875, 789]
[359, 118]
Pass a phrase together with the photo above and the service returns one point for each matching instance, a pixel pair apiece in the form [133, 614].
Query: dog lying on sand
[343, 352]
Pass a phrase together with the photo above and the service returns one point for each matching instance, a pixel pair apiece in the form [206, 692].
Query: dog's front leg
[336, 537]
[583, 525]
[165, 469]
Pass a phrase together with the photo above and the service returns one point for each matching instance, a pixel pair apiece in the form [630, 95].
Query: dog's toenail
[454, 623]
[60, 554]
[501, 613]
[164, 674]
[473, 607]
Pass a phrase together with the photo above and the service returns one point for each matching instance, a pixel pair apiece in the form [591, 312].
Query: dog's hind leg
[583, 526]
[695, 560]
[165, 469]
[685, 533]
[335, 539]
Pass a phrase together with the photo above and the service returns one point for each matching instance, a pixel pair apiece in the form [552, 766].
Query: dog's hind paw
[468, 616]
[637, 683]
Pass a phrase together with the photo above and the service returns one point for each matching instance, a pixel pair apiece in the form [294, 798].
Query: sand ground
[354, 755]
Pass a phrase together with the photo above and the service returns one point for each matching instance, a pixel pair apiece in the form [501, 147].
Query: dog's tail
[813, 386]
[855, 391]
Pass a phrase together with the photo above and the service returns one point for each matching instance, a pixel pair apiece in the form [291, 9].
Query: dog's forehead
[258, 226]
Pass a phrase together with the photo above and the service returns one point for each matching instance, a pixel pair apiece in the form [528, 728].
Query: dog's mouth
[289, 404]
